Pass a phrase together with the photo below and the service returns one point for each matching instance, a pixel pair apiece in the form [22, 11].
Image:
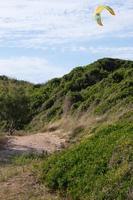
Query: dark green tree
[14, 109]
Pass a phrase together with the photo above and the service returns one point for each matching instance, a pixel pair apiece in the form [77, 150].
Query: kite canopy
[99, 11]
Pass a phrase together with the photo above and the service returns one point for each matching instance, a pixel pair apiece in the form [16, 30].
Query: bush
[15, 109]
[98, 168]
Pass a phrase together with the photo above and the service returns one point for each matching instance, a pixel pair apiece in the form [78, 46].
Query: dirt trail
[18, 182]
[37, 143]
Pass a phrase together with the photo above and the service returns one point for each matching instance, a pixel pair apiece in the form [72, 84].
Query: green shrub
[98, 168]
[96, 88]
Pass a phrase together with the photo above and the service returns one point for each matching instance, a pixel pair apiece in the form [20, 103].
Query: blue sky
[41, 39]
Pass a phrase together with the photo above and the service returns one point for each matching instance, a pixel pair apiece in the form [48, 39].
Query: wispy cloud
[38, 23]
[32, 69]
[124, 52]
[66, 30]
[114, 52]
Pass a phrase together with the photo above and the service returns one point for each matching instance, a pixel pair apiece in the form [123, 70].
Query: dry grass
[23, 187]
[9, 171]
[19, 182]
[73, 128]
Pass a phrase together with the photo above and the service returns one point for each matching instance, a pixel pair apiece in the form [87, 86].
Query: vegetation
[19, 180]
[97, 168]
[14, 104]
[15, 109]
[97, 88]
[99, 164]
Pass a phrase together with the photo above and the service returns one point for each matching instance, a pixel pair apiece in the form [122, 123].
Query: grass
[96, 88]
[18, 180]
[7, 172]
[92, 108]
[97, 168]
[25, 159]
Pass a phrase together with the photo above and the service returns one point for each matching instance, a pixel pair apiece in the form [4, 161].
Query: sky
[43, 39]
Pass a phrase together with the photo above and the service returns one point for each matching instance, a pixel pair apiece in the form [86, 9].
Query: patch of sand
[37, 143]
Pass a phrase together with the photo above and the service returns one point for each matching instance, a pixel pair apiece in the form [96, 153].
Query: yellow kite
[99, 11]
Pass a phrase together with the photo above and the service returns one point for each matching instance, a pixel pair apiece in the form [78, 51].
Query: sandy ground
[37, 143]
[18, 182]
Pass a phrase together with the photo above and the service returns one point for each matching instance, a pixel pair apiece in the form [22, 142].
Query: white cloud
[39, 70]
[114, 52]
[60, 25]
[124, 52]
[32, 69]
[38, 23]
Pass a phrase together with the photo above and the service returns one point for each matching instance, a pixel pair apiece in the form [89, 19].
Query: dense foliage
[98, 88]
[100, 165]
[14, 105]
[98, 168]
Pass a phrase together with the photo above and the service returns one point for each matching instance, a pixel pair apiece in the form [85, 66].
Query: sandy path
[19, 182]
[40, 142]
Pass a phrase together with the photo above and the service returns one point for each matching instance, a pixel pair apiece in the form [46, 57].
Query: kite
[99, 11]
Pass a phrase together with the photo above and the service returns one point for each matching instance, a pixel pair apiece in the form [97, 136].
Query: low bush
[98, 168]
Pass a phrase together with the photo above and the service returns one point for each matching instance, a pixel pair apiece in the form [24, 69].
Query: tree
[14, 109]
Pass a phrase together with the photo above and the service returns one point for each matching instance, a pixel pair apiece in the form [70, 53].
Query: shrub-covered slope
[98, 168]
[100, 165]
[106, 85]
[103, 86]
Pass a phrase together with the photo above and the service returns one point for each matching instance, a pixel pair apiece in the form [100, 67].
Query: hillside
[104, 86]
[92, 107]
[97, 88]
[100, 165]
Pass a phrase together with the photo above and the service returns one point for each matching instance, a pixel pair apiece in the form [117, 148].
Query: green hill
[99, 168]
[102, 87]
[100, 165]
[95, 102]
